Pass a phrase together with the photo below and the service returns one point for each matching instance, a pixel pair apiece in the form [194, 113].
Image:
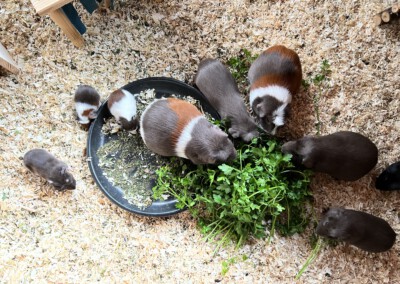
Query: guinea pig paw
[234, 133]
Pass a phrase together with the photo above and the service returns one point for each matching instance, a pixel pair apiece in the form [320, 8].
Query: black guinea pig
[344, 155]
[389, 179]
[360, 229]
[44, 164]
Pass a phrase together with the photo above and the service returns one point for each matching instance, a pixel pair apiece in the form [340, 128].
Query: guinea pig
[122, 105]
[275, 76]
[44, 164]
[389, 179]
[173, 127]
[219, 87]
[344, 155]
[87, 102]
[360, 229]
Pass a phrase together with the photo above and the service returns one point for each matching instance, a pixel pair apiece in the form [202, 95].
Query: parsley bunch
[259, 190]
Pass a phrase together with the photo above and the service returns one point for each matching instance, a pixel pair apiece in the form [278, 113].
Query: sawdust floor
[80, 236]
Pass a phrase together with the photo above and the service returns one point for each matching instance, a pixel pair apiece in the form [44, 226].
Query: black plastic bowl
[164, 87]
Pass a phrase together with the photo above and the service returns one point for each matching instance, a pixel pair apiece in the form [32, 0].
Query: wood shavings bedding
[129, 43]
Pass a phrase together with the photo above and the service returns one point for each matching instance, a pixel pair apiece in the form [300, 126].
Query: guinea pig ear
[260, 110]
[325, 210]
[259, 107]
[64, 169]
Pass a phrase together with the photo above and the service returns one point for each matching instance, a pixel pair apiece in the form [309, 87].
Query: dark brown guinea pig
[173, 127]
[360, 229]
[44, 164]
[344, 155]
[87, 102]
[219, 87]
[389, 179]
[275, 76]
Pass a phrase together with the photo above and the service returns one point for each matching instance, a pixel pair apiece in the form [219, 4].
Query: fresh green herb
[226, 264]
[317, 82]
[239, 67]
[317, 248]
[260, 189]
[4, 196]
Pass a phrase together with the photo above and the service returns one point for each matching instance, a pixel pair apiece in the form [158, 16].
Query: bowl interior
[164, 87]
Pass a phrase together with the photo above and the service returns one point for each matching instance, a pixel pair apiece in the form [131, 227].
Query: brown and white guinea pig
[122, 105]
[173, 127]
[219, 87]
[360, 229]
[344, 155]
[41, 162]
[87, 102]
[275, 76]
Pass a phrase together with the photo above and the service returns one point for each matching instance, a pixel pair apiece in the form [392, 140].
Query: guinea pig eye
[67, 180]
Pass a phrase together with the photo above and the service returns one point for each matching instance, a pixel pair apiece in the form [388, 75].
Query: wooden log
[386, 16]
[395, 7]
[377, 19]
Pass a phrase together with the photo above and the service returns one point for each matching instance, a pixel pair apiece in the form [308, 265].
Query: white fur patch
[80, 108]
[186, 136]
[279, 115]
[126, 107]
[280, 93]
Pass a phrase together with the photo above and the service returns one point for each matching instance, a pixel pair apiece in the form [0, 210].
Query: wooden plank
[59, 17]
[6, 60]
[44, 7]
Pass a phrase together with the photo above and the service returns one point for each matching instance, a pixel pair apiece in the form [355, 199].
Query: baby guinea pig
[122, 105]
[44, 164]
[87, 102]
[344, 155]
[218, 85]
[173, 127]
[275, 76]
[389, 179]
[360, 229]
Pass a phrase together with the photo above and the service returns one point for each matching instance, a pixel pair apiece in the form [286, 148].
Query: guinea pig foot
[85, 126]
[234, 133]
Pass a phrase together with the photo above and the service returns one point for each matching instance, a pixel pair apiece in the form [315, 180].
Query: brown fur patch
[291, 81]
[115, 96]
[185, 112]
[86, 112]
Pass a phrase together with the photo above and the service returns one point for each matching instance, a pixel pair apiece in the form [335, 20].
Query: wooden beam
[44, 7]
[59, 17]
[7, 62]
